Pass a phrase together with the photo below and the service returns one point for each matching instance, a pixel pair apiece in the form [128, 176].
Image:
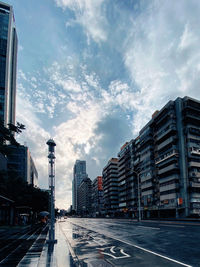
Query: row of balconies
[168, 141]
[170, 129]
[171, 167]
[166, 156]
[194, 131]
[195, 184]
[194, 164]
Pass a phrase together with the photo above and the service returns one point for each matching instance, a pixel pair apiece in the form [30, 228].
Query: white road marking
[144, 249]
[147, 250]
[125, 255]
[156, 228]
[180, 226]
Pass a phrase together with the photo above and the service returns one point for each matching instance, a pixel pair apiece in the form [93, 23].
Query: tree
[7, 134]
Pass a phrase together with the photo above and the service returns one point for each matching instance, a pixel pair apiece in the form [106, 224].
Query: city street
[126, 242]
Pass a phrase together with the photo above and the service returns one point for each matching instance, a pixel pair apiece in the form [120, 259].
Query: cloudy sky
[91, 73]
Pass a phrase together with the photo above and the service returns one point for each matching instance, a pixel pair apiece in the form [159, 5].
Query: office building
[20, 164]
[8, 64]
[110, 187]
[85, 197]
[79, 174]
[97, 197]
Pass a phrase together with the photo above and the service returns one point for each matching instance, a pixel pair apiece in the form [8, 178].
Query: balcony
[146, 193]
[195, 151]
[194, 164]
[193, 184]
[166, 156]
[166, 142]
[145, 157]
[168, 196]
[162, 134]
[194, 174]
[146, 185]
[168, 187]
[168, 168]
[168, 178]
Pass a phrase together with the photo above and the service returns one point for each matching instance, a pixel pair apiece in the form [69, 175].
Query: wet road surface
[114, 242]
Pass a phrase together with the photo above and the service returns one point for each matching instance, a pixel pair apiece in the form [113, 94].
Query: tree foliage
[23, 194]
[11, 185]
[7, 134]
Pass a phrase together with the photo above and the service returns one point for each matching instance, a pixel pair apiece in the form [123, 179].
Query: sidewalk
[63, 254]
[57, 255]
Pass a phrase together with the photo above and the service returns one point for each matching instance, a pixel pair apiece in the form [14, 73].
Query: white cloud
[162, 55]
[89, 14]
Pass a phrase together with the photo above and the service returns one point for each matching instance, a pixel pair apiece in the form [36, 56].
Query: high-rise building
[78, 175]
[8, 64]
[127, 179]
[21, 165]
[165, 160]
[110, 187]
[97, 197]
[85, 197]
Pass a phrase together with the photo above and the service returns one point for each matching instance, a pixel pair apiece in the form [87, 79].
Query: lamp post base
[53, 241]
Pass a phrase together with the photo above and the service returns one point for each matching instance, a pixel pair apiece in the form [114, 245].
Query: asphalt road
[114, 242]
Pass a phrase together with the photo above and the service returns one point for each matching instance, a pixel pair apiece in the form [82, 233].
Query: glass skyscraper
[79, 175]
[8, 64]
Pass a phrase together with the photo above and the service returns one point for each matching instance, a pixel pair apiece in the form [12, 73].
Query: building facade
[97, 197]
[79, 173]
[20, 164]
[110, 187]
[162, 165]
[8, 64]
[127, 180]
[85, 197]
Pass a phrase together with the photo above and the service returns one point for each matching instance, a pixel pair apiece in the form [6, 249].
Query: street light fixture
[139, 200]
[51, 158]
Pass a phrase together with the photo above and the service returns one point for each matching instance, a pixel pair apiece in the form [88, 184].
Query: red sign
[180, 201]
[99, 180]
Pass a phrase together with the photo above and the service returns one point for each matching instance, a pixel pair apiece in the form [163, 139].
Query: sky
[92, 72]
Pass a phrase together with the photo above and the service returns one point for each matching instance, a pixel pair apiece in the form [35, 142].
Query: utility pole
[51, 158]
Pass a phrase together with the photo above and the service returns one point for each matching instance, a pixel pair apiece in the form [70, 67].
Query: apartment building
[110, 187]
[85, 197]
[171, 163]
[97, 197]
[160, 169]
[127, 180]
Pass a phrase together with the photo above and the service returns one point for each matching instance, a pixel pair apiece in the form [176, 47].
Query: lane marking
[173, 222]
[149, 227]
[150, 251]
[179, 226]
[144, 249]
[125, 255]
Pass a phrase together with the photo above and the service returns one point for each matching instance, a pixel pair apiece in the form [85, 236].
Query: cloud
[162, 54]
[89, 14]
[34, 137]
[98, 96]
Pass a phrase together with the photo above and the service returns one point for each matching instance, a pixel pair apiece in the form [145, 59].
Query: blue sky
[91, 73]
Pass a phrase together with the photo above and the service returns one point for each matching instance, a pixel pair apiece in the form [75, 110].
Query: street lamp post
[139, 200]
[51, 158]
